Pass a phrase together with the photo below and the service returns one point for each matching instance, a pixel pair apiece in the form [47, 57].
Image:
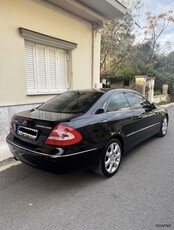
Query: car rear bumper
[57, 162]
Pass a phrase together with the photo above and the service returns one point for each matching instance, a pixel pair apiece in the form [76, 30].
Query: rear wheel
[164, 127]
[110, 160]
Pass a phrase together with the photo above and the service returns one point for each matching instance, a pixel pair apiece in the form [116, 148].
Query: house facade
[48, 47]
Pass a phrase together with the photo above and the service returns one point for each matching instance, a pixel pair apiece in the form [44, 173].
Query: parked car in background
[86, 128]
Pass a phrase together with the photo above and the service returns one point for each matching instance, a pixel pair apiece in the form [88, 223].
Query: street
[139, 197]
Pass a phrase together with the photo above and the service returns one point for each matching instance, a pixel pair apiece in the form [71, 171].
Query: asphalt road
[139, 197]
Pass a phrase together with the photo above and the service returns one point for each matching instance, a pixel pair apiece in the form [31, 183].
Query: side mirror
[150, 107]
[154, 106]
[99, 111]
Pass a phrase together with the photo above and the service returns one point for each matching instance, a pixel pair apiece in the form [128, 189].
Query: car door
[120, 119]
[146, 119]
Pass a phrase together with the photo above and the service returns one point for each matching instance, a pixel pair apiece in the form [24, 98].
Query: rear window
[71, 102]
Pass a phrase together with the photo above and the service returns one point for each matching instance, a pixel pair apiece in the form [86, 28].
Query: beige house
[47, 47]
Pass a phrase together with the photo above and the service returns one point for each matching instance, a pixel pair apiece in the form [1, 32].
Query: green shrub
[162, 103]
[157, 92]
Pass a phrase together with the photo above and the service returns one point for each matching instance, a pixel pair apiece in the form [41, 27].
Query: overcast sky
[156, 7]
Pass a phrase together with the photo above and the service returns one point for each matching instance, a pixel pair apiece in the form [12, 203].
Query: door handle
[104, 121]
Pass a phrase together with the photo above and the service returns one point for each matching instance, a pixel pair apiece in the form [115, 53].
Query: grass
[162, 103]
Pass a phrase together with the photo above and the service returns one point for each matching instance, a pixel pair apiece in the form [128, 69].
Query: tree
[156, 25]
[165, 66]
[123, 55]
[146, 56]
[116, 39]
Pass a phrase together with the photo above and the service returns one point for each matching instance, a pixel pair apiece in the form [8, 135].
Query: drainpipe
[92, 56]
[95, 30]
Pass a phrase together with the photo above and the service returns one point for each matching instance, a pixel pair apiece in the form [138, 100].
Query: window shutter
[41, 69]
[52, 70]
[62, 71]
[30, 68]
[46, 69]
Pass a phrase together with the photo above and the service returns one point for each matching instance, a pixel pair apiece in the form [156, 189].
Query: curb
[7, 161]
[6, 157]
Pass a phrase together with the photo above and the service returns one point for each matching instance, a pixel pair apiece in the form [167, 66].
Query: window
[46, 69]
[136, 100]
[117, 102]
[71, 102]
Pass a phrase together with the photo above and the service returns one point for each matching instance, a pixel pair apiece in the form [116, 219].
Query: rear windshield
[71, 102]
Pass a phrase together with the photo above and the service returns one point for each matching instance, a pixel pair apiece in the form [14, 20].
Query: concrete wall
[6, 114]
[159, 98]
[46, 19]
[121, 85]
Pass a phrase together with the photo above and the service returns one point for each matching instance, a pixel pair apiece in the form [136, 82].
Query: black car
[86, 128]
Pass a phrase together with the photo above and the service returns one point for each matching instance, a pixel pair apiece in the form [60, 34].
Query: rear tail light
[63, 135]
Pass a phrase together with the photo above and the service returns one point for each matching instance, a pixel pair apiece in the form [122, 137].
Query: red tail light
[63, 135]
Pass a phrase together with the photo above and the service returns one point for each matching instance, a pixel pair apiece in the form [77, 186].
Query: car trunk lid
[34, 126]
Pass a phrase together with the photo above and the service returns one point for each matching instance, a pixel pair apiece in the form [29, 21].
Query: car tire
[110, 159]
[164, 127]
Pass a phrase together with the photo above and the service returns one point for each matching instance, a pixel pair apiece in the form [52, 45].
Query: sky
[157, 7]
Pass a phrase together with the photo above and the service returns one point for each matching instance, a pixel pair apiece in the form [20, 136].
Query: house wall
[46, 19]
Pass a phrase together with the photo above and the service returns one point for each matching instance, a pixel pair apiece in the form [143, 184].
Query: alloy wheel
[112, 157]
[164, 126]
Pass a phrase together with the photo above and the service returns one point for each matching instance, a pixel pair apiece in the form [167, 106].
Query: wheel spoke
[117, 161]
[115, 148]
[110, 167]
[118, 155]
[115, 164]
[107, 162]
[112, 148]
[109, 153]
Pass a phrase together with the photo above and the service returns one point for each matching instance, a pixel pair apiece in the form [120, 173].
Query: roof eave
[90, 11]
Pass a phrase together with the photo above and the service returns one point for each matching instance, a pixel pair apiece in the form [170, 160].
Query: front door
[145, 117]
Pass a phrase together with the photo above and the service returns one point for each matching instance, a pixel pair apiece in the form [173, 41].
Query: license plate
[27, 132]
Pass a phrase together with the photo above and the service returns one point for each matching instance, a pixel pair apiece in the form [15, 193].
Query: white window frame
[61, 47]
[41, 73]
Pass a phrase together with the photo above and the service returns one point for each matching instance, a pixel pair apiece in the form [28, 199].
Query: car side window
[118, 102]
[136, 100]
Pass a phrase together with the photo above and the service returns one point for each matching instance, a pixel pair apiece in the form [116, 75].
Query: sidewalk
[6, 156]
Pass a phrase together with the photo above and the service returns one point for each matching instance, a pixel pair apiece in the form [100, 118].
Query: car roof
[119, 90]
[106, 90]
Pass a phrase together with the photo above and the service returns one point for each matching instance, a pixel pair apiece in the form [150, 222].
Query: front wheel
[110, 160]
[164, 127]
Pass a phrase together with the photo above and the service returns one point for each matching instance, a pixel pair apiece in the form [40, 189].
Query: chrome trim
[52, 156]
[43, 127]
[73, 154]
[140, 130]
